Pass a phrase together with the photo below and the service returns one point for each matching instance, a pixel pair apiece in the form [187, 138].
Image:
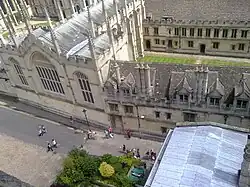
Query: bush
[79, 168]
[130, 161]
[106, 170]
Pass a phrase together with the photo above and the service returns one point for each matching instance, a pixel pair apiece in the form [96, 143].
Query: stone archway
[148, 45]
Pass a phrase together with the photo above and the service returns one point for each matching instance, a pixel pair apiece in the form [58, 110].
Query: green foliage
[106, 170]
[79, 168]
[123, 180]
[130, 161]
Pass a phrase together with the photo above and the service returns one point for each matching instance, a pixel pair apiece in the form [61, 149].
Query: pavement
[23, 153]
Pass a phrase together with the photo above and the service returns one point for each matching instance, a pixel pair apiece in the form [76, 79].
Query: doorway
[202, 48]
[148, 44]
[170, 43]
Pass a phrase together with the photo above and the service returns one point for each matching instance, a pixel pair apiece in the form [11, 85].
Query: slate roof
[74, 32]
[201, 156]
[169, 75]
[200, 9]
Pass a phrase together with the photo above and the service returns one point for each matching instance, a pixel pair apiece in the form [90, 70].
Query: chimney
[117, 72]
[138, 79]
[201, 85]
[91, 24]
[142, 72]
[244, 180]
[147, 79]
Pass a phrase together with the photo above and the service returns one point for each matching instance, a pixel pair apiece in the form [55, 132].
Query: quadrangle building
[198, 27]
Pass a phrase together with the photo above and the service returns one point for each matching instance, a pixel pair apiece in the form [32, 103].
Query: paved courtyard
[23, 153]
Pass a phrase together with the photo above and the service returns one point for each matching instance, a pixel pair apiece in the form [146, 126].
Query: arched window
[85, 87]
[19, 71]
[50, 79]
[47, 73]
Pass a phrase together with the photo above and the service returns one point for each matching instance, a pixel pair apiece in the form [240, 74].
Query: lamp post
[85, 114]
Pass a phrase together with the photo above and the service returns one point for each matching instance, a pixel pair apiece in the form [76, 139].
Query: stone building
[14, 11]
[156, 96]
[198, 27]
[64, 68]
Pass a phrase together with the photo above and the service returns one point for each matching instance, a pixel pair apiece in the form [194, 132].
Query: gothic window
[208, 32]
[19, 73]
[85, 87]
[234, 33]
[241, 104]
[50, 79]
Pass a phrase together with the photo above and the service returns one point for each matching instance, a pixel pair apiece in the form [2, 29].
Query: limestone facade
[64, 68]
[219, 38]
[156, 96]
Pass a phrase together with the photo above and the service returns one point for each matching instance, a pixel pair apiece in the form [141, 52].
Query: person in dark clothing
[124, 148]
[49, 147]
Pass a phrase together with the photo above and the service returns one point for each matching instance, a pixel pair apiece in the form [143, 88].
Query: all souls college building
[87, 62]
[198, 27]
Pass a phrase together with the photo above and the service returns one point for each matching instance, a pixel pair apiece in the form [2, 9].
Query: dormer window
[214, 101]
[241, 104]
[183, 98]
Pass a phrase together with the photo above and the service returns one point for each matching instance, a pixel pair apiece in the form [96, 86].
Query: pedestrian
[71, 119]
[89, 134]
[138, 153]
[49, 147]
[40, 132]
[145, 165]
[124, 148]
[110, 129]
[129, 134]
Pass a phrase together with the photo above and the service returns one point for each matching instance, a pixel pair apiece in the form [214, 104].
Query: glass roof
[202, 156]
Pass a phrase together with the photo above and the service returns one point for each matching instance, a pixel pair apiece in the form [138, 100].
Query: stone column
[7, 5]
[72, 7]
[118, 74]
[60, 13]
[138, 79]
[142, 71]
[147, 79]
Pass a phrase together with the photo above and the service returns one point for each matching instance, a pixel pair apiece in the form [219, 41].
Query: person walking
[49, 148]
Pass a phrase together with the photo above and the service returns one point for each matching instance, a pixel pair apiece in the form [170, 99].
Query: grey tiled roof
[200, 9]
[72, 35]
[201, 156]
[172, 74]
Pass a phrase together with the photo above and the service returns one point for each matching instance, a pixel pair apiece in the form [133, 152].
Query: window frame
[216, 45]
[241, 47]
[20, 74]
[50, 79]
[113, 107]
[85, 87]
[183, 98]
[190, 44]
[156, 31]
[208, 32]
[241, 104]
[224, 33]
[146, 30]
[216, 33]
[214, 101]
[128, 109]
[191, 32]
[199, 32]
[157, 114]
[157, 41]
[183, 31]
[234, 33]
[244, 33]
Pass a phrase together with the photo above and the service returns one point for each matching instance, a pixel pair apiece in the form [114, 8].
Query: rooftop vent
[167, 18]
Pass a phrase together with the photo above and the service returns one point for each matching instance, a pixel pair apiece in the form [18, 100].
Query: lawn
[191, 60]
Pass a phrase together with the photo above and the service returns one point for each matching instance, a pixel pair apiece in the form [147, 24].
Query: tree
[79, 168]
[106, 170]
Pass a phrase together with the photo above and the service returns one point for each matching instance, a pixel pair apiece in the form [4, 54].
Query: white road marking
[70, 128]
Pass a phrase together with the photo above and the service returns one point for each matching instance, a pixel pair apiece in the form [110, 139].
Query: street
[23, 128]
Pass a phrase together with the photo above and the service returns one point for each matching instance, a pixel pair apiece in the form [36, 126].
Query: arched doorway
[148, 44]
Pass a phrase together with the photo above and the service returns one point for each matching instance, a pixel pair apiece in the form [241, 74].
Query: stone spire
[147, 79]
[8, 9]
[91, 24]
[91, 48]
[8, 26]
[53, 37]
[60, 11]
[72, 7]
[109, 31]
[116, 11]
[24, 15]
[118, 74]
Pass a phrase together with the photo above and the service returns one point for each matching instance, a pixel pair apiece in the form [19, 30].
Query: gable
[183, 91]
[243, 96]
[214, 93]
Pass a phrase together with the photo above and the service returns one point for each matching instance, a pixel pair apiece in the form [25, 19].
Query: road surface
[22, 146]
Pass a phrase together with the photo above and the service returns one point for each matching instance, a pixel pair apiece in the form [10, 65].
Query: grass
[190, 60]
